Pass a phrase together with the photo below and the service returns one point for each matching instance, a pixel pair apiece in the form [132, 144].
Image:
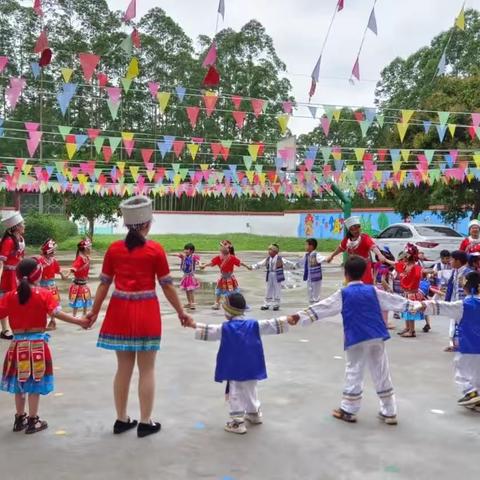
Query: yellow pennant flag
[71, 150]
[405, 152]
[250, 175]
[150, 175]
[402, 130]
[470, 177]
[359, 153]
[378, 176]
[337, 154]
[451, 128]
[128, 136]
[133, 70]
[336, 115]
[476, 157]
[67, 74]
[460, 20]
[407, 115]
[253, 151]
[283, 122]
[203, 166]
[177, 179]
[403, 173]
[163, 99]
[26, 168]
[193, 149]
[82, 178]
[121, 167]
[134, 172]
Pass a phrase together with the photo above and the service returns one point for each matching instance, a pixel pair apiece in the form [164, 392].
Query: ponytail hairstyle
[29, 271]
[83, 245]
[134, 238]
[231, 250]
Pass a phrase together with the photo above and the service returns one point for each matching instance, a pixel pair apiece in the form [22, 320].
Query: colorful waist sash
[47, 283]
[145, 295]
[80, 281]
[30, 349]
[226, 276]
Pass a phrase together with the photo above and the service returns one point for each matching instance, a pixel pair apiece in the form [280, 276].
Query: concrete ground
[299, 439]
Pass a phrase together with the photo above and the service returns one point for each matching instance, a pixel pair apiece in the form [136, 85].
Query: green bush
[39, 228]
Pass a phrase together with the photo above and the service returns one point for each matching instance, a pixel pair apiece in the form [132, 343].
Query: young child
[382, 273]
[466, 313]
[365, 334]
[455, 291]
[189, 283]
[275, 276]
[442, 271]
[27, 370]
[51, 267]
[79, 294]
[396, 284]
[312, 270]
[226, 261]
[240, 359]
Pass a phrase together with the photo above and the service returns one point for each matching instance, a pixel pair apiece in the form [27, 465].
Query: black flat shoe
[35, 425]
[120, 427]
[21, 422]
[426, 328]
[264, 307]
[6, 335]
[145, 429]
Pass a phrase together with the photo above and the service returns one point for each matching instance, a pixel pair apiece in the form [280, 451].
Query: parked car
[430, 239]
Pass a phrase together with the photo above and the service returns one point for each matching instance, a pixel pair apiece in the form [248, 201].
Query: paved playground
[299, 439]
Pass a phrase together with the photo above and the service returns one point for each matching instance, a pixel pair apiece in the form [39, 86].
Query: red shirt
[467, 245]
[136, 270]
[51, 267]
[9, 255]
[226, 263]
[81, 267]
[362, 250]
[410, 275]
[31, 315]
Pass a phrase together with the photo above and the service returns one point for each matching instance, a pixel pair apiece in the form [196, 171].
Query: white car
[430, 239]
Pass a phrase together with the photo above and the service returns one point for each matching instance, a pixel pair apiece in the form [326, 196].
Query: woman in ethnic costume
[12, 249]
[28, 366]
[132, 326]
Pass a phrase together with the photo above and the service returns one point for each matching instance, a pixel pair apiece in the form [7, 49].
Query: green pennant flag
[176, 167]
[227, 143]
[443, 117]
[434, 175]
[114, 143]
[359, 153]
[259, 168]
[98, 142]
[113, 107]
[380, 120]
[183, 173]
[126, 83]
[60, 167]
[98, 172]
[127, 45]
[429, 155]
[247, 160]
[64, 131]
[329, 112]
[326, 152]
[364, 126]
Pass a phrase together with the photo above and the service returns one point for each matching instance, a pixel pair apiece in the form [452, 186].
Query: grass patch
[209, 243]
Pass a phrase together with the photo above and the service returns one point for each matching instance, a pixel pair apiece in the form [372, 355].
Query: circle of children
[375, 284]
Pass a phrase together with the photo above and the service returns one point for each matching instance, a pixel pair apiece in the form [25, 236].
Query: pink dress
[189, 282]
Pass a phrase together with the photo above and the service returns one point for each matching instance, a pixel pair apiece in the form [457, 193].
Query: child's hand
[84, 322]
[293, 319]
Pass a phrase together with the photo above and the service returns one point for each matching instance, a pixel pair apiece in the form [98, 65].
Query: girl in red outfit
[51, 267]
[473, 239]
[79, 294]
[28, 369]
[360, 244]
[12, 248]
[132, 325]
[226, 261]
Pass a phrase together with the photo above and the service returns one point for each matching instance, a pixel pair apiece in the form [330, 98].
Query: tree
[93, 207]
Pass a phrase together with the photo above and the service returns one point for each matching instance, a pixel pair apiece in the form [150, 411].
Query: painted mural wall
[330, 224]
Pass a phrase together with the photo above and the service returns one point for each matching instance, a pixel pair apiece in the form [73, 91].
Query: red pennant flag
[239, 118]
[192, 113]
[212, 78]
[70, 139]
[236, 100]
[178, 146]
[93, 133]
[45, 58]
[107, 153]
[37, 7]
[261, 149]
[42, 42]
[210, 102]
[216, 149]
[471, 131]
[382, 154]
[131, 11]
[225, 152]
[359, 116]
[146, 155]
[136, 38]
[102, 79]
[89, 63]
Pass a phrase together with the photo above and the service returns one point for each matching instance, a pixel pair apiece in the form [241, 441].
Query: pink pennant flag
[210, 102]
[33, 142]
[3, 63]
[42, 42]
[239, 118]
[146, 155]
[37, 7]
[325, 123]
[287, 106]
[19, 163]
[114, 93]
[422, 162]
[475, 118]
[309, 163]
[192, 113]
[236, 100]
[131, 11]
[31, 126]
[341, 4]
[356, 69]
[129, 145]
[93, 133]
[257, 106]
[89, 62]
[454, 155]
[211, 57]
[178, 146]
[153, 87]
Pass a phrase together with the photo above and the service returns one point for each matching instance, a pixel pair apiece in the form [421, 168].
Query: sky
[298, 29]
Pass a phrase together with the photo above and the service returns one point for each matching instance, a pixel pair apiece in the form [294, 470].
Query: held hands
[84, 322]
[186, 320]
[293, 319]
[92, 318]
[329, 259]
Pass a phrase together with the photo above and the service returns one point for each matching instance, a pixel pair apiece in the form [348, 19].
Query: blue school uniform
[469, 327]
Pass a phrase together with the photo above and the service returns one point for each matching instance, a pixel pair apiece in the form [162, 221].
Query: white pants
[467, 372]
[314, 289]
[242, 398]
[274, 291]
[451, 332]
[374, 355]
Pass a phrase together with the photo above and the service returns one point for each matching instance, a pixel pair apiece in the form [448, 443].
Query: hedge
[39, 228]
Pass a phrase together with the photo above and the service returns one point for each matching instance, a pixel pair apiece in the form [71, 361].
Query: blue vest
[240, 357]
[312, 270]
[469, 327]
[362, 316]
[451, 286]
[279, 271]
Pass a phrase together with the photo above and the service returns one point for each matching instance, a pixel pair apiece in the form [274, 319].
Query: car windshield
[437, 231]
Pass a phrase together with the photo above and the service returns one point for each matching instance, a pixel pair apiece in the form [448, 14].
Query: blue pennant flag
[35, 69]
[449, 160]
[80, 140]
[441, 130]
[426, 125]
[180, 91]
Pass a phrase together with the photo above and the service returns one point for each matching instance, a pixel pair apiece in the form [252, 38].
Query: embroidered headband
[35, 275]
[274, 247]
[226, 243]
[86, 243]
[49, 246]
[412, 251]
[235, 305]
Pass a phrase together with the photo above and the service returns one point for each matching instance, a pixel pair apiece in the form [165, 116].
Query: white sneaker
[254, 418]
[236, 426]
[216, 306]
[388, 419]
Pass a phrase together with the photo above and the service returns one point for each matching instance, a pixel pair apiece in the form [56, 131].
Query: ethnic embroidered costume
[227, 283]
[79, 293]
[11, 257]
[51, 267]
[188, 266]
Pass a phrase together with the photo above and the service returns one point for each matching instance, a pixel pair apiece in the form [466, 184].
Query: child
[79, 294]
[365, 332]
[50, 268]
[274, 265]
[455, 291]
[226, 261]
[189, 283]
[28, 363]
[396, 284]
[240, 359]
[466, 313]
[312, 270]
[442, 271]
[382, 273]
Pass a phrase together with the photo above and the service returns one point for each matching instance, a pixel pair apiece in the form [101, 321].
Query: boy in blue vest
[240, 359]
[365, 333]
[466, 313]
[312, 270]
